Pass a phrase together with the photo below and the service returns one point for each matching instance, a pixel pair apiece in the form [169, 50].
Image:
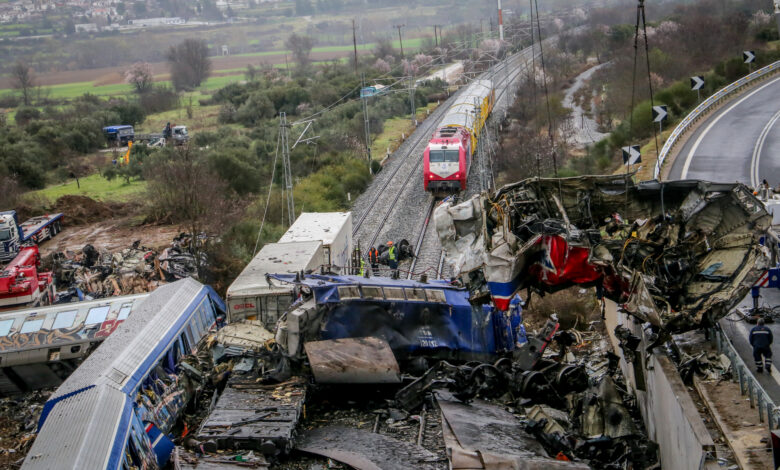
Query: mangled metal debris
[93, 273]
[679, 255]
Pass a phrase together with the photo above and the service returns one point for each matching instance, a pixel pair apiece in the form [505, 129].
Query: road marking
[695, 147]
[759, 147]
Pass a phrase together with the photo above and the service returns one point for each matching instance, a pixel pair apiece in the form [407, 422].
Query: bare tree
[24, 80]
[139, 75]
[189, 63]
[301, 48]
[182, 187]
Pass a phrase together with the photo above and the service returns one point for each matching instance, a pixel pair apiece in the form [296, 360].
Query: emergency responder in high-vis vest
[392, 258]
[362, 266]
[373, 259]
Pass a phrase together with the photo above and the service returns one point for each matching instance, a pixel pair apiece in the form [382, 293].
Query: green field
[390, 138]
[94, 186]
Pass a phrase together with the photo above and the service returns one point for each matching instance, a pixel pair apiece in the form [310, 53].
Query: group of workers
[374, 257]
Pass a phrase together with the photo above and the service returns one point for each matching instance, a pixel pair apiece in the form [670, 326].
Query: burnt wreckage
[678, 255]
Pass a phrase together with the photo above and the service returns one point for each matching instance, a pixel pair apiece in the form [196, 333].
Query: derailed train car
[679, 255]
[434, 319]
[113, 412]
[40, 347]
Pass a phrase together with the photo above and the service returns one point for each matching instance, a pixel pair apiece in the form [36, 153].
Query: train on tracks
[448, 155]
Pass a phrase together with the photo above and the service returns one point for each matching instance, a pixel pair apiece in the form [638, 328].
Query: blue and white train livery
[114, 410]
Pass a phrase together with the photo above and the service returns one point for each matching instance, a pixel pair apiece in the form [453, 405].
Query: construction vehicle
[179, 136]
[22, 283]
[119, 135]
[35, 230]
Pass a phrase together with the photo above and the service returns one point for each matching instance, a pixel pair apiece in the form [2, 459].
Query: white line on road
[695, 147]
[758, 148]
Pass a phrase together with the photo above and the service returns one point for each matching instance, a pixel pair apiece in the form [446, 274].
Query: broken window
[372, 292]
[415, 294]
[436, 295]
[394, 293]
[349, 292]
[64, 319]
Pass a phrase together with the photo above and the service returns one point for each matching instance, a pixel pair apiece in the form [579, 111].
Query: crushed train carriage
[40, 347]
[113, 412]
[678, 255]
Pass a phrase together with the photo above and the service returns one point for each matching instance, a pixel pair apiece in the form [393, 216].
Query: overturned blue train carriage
[433, 318]
[113, 412]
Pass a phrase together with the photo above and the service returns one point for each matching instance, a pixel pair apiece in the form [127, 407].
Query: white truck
[333, 229]
[252, 297]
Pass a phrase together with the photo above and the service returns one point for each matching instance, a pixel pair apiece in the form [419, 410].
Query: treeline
[44, 145]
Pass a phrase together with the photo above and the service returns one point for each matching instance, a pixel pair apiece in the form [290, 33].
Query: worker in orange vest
[373, 258]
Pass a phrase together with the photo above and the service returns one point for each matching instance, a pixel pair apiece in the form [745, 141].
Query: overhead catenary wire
[268, 198]
[550, 127]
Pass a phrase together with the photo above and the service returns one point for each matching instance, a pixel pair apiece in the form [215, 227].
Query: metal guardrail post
[705, 106]
[760, 410]
[750, 394]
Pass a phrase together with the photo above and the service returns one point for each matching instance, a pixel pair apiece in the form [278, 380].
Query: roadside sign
[748, 56]
[631, 155]
[697, 82]
[659, 113]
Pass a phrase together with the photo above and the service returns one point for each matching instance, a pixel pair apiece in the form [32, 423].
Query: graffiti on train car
[43, 337]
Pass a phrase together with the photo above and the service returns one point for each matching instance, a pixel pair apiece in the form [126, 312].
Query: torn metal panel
[248, 335]
[365, 450]
[484, 436]
[183, 460]
[432, 318]
[353, 360]
[695, 244]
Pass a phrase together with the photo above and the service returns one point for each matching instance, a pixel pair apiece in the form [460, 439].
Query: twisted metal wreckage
[678, 255]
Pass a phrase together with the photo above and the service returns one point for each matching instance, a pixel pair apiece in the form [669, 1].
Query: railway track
[392, 210]
[430, 256]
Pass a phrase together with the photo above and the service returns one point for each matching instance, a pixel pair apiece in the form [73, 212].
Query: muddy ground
[113, 226]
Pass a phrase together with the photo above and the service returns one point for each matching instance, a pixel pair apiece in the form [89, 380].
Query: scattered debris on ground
[318, 396]
[93, 273]
[18, 424]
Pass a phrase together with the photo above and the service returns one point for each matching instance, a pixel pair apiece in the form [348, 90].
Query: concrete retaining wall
[670, 416]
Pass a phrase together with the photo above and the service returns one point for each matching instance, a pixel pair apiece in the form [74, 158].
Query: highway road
[739, 142]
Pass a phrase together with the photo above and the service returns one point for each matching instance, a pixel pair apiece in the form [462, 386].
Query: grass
[390, 138]
[93, 186]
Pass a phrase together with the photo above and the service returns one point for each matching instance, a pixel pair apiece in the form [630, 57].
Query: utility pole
[500, 22]
[435, 37]
[284, 129]
[366, 124]
[777, 13]
[411, 99]
[400, 40]
[354, 43]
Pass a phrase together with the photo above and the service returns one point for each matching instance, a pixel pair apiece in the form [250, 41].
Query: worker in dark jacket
[761, 340]
[373, 258]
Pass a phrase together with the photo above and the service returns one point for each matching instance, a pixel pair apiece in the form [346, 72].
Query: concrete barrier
[670, 416]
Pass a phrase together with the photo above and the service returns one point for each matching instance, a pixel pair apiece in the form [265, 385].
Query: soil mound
[80, 210]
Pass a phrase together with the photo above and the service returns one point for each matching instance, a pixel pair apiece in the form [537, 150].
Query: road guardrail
[706, 106]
